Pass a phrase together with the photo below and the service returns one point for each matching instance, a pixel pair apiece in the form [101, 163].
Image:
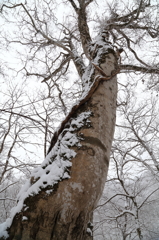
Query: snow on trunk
[58, 202]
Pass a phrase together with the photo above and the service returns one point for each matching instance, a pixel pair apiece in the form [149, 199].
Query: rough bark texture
[66, 212]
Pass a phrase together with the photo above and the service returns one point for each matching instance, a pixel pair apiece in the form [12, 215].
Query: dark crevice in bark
[106, 160]
[95, 141]
[55, 221]
[35, 227]
[78, 230]
[16, 232]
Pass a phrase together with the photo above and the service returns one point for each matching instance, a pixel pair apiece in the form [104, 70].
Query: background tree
[55, 47]
[130, 205]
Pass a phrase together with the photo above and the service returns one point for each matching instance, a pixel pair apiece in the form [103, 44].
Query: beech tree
[59, 199]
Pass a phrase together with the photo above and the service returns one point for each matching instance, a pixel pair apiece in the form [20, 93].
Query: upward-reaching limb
[82, 24]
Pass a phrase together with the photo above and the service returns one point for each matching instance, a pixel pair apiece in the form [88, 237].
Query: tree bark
[66, 212]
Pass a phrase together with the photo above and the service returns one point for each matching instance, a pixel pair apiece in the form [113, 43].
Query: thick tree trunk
[67, 210]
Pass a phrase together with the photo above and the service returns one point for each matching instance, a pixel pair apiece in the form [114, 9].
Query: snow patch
[98, 48]
[54, 168]
[24, 218]
[77, 186]
[89, 231]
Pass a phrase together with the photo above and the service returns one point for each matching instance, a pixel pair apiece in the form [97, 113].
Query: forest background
[39, 84]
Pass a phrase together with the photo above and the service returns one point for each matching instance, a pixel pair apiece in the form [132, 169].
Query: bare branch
[74, 5]
[7, 198]
[139, 69]
[63, 63]
[2, 190]
[24, 116]
[50, 40]
[116, 195]
[83, 26]
[129, 47]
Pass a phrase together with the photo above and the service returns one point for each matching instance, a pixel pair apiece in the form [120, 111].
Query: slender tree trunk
[67, 210]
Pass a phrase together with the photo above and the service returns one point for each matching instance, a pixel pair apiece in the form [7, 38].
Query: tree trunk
[66, 212]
